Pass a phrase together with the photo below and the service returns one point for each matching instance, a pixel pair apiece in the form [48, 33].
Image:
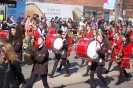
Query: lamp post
[116, 11]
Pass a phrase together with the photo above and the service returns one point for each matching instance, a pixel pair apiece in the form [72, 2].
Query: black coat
[17, 45]
[40, 58]
[101, 54]
[13, 76]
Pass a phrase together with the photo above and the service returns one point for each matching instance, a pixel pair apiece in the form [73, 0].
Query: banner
[53, 10]
[109, 4]
[20, 8]
[1, 17]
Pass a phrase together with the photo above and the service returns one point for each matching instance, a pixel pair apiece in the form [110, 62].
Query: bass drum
[54, 42]
[3, 34]
[86, 48]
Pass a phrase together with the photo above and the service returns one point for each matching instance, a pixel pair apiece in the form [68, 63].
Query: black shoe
[68, 65]
[107, 72]
[84, 75]
[128, 79]
[81, 65]
[67, 75]
[118, 83]
[75, 57]
[106, 85]
[59, 69]
[50, 75]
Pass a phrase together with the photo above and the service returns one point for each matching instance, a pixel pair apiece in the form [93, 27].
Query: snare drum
[54, 42]
[3, 34]
[86, 47]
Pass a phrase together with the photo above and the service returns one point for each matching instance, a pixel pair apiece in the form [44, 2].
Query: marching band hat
[60, 32]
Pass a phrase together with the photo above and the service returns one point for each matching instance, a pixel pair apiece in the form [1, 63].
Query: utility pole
[116, 11]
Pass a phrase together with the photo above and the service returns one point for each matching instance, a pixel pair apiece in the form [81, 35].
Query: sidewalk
[76, 77]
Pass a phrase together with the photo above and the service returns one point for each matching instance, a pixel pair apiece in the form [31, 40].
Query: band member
[40, 67]
[68, 51]
[62, 54]
[15, 36]
[131, 34]
[115, 50]
[81, 35]
[124, 53]
[95, 33]
[98, 63]
[35, 36]
[88, 34]
[13, 72]
[51, 29]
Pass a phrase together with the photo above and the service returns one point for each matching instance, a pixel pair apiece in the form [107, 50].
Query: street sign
[10, 3]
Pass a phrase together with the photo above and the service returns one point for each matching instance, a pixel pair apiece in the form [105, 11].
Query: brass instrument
[119, 56]
[27, 57]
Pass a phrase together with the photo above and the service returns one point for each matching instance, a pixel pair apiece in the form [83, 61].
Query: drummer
[68, 51]
[98, 63]
[62, 54]
[88, 34]
[94, 34]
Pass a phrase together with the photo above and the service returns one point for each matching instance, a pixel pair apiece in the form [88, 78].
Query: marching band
[94, 44]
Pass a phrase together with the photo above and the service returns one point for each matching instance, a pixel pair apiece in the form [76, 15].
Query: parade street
[76, 80]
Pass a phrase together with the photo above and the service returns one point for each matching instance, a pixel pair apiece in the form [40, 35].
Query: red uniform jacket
[127, 50]
[88, 34]
[109, 33]
[69, 45]
[36, 35]
[131, 36]
[51, 31]
[118, 46]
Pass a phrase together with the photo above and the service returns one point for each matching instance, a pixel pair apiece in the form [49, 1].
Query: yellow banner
[1, 17]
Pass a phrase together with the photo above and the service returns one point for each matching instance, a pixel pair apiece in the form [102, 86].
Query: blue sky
[109, 5]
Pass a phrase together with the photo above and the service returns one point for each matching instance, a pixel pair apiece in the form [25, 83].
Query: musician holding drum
[88, 34]
[40, 68]
[98, 62]
[61, 54]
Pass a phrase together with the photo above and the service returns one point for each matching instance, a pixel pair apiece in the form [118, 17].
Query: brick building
[125, 9]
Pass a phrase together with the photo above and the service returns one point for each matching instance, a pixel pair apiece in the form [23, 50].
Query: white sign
[52, 10]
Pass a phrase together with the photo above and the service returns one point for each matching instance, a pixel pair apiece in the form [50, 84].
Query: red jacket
[51, 31]
[88, 34]
[127, 50]
[69, 45]
[131, 36]
[36, 35]
[118, 46]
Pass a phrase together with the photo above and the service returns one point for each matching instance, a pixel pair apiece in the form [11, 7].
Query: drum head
[58, 43]
[91, 51]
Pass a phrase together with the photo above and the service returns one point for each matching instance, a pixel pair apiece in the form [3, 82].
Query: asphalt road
[99, 84]
[76, 80]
